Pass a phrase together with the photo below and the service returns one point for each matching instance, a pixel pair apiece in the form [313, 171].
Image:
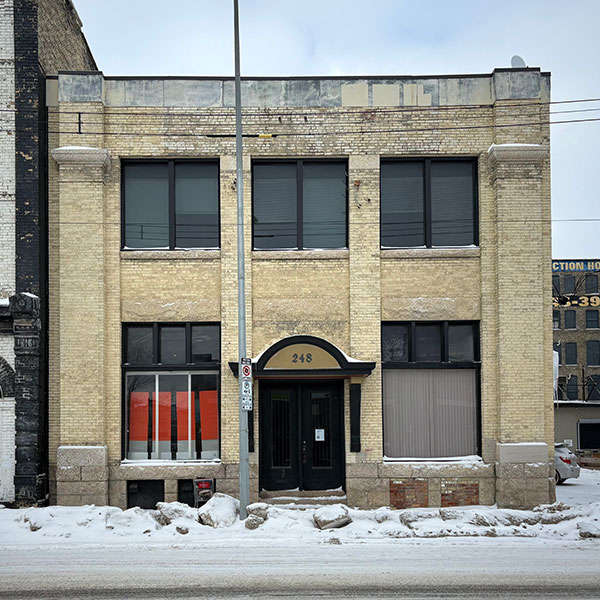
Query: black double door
[301, 435]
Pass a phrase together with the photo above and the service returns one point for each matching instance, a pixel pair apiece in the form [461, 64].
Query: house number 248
[302, 357]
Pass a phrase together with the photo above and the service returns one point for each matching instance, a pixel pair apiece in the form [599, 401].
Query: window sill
[448, 460]
[275, 255]
[168, 463]
[152, 255]
[425, 253]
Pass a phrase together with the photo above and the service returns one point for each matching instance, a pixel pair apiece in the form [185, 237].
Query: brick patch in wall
[459, 492]
[409, 493]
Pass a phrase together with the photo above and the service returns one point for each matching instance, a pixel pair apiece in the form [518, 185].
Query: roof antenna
[516, 62]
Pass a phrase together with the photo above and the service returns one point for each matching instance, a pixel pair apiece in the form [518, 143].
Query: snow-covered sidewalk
[575, 516]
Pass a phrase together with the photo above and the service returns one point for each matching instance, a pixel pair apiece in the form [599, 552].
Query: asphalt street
[436, 568]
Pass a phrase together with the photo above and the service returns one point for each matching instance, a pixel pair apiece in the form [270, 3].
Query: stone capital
[82, 156]
[24, 305]
[517, 154]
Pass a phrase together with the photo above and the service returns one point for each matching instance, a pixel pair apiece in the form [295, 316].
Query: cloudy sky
[384, 37]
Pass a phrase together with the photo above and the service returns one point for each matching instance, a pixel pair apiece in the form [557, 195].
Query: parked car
[565, 464]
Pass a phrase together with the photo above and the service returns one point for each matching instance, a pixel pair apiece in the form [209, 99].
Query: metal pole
[244, 467]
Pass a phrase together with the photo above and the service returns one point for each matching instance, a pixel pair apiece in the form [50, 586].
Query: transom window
[170, 204]
[428, 202]
[171, 408]
[300, 204]
[435, 342]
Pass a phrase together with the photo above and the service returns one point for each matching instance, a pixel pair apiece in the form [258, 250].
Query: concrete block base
[82, 475]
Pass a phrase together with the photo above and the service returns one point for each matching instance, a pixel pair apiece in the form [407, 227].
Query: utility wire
[357, 131]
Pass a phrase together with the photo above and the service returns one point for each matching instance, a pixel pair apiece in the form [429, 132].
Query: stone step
[302, 499]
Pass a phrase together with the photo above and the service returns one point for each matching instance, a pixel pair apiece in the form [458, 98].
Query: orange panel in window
[138, 416]
[164, 416]
[182, 418]
[209, 415]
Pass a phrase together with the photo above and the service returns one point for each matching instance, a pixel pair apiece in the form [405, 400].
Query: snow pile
[575, 518]
[220, 511]
[91, 524]
[331, 517]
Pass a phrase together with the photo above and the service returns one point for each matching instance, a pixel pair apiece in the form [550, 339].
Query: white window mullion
[156, 442]
[190, 415]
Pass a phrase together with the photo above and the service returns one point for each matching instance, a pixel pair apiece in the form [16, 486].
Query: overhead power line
[358, 131]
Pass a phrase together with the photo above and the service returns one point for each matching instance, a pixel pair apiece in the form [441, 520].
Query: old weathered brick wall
[341, 295]
[61, 41]
[7, 150]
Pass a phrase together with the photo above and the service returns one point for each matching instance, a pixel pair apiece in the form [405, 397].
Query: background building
[577, 340]
[37, 39]
[388, 224]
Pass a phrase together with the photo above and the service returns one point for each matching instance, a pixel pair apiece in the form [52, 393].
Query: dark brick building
[576, 322]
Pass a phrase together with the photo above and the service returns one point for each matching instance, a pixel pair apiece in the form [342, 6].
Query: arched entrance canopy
[305, 356]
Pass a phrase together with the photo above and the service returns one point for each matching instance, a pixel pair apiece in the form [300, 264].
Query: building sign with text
[559, 266]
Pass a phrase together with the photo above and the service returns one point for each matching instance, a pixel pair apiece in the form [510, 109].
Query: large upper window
[170, 204]
[428, 202]
[430, 389]
[300, 204]
[171, 408]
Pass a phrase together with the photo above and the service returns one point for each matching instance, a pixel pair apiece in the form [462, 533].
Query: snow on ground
[576, 515]
[585, 488]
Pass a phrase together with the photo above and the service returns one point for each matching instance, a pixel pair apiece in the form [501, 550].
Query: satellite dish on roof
[516, 62]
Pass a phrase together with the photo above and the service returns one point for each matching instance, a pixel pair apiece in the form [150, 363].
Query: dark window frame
[556, 320]
[569, 284]
[299, 162]
[171, 163]
[156, 367]
[572, 388]
[595, 322]
[571, 314]
[570, 346]
[444, 363]
[591, 284]
[427, 211]
[592, 347]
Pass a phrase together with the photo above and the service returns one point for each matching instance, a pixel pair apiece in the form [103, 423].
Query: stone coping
[314, 92]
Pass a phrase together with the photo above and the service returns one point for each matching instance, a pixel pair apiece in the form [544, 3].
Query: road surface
[430, 568]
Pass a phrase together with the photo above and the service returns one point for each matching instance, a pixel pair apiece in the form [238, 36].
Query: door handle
[303, 451]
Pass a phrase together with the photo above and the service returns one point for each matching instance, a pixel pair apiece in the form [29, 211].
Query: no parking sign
[246, 384]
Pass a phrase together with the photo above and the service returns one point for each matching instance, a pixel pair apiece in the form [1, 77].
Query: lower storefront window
[430, 389]
[170, 413]
[172, 416]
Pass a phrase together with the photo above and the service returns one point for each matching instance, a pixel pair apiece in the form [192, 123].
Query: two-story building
[388, 222]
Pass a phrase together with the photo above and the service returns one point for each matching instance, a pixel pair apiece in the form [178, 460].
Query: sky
[384, 37]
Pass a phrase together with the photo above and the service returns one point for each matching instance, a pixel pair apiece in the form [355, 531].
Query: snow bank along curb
[220, 517]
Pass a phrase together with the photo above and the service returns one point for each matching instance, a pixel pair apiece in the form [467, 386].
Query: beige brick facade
[341, 296]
